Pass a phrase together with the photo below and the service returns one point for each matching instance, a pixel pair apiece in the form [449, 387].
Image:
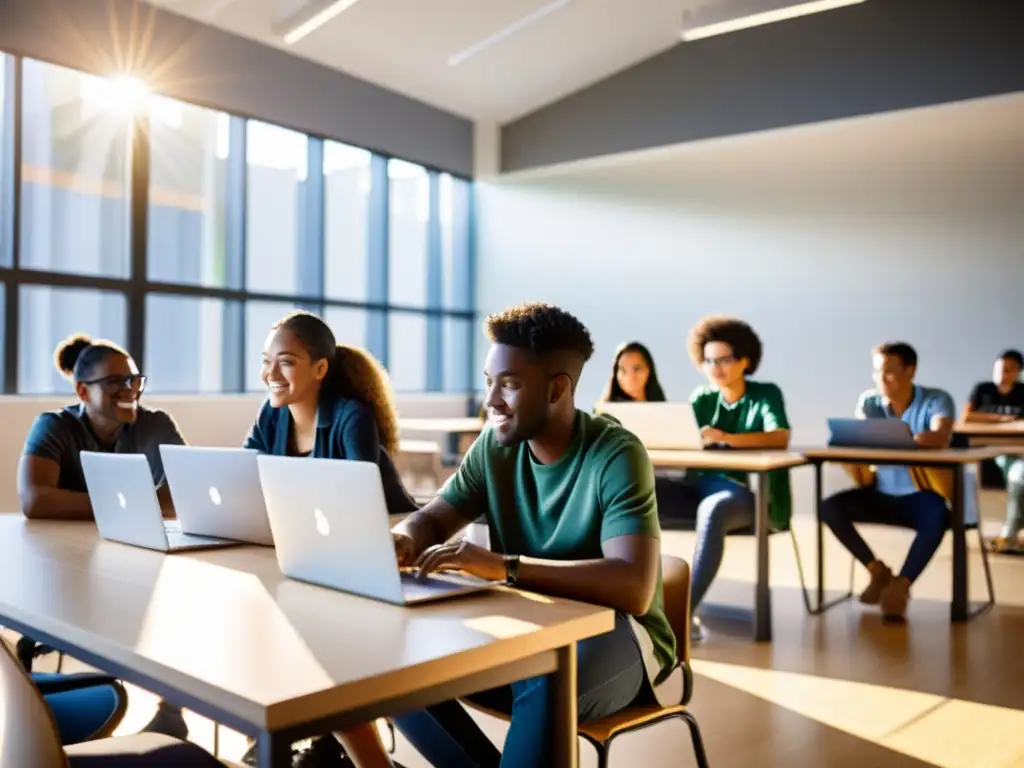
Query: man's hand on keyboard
[464, 556]
[405, 549]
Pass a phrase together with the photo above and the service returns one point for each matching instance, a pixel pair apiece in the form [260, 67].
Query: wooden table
[225, 634]
[757, 464]
[954, 459]
[1007, 435]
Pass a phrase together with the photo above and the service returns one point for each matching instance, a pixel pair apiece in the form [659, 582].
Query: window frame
[310, 265]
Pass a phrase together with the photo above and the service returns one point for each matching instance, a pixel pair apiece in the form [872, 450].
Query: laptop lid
[330, 524]
[870, 433]
[124, 502]
[217, 492]
[660, 426]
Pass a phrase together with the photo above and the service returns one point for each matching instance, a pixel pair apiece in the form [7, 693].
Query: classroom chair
[651, 719]
[972, 521]
[30, 738]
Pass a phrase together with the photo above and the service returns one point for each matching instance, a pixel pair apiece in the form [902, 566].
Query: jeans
[610, 677]
[1013, 470]
[720, 507]
[923, 511]
[81, 715]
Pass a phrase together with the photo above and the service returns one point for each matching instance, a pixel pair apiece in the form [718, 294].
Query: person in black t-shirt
[999, 401]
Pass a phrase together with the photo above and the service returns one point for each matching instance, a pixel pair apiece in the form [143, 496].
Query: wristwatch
[511, 570]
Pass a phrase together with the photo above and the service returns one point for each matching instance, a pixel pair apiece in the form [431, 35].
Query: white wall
[913, 251]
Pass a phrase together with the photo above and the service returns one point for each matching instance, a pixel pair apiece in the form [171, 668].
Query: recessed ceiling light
[516, 26]
[714, 20]
[310, 18]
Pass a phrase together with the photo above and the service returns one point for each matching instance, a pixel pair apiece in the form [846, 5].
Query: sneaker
[169, 721]
[698, 634]
[894, 600]
[881, 577]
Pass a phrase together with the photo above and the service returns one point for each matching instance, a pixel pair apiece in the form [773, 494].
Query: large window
[48, 315]
[184, 233]
[188, 193]
[347, 184]
[6, 160]
[75, 132]
[275, 220]
[408, 214]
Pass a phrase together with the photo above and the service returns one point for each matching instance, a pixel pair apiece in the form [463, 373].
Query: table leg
[762, 594]
[820, 533]
[273, 751]
[959, 608]
[563, 709]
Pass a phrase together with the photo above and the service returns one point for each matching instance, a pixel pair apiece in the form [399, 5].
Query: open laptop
[660, 426]
[126, 508]
[330, 525]
[870, 433]
[217, 492]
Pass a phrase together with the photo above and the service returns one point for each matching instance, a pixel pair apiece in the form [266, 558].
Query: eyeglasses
[711, 362]
[136, 382]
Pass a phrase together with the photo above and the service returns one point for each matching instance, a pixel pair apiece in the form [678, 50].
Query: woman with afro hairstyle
[732, 411]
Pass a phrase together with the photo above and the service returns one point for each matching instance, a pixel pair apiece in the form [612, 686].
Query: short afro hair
[902, 351]
[726, 330]
[542, 330]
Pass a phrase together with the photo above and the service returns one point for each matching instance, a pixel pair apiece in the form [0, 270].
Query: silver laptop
[217, 492]
[870, 433]
[660, 426]
[331, 527]
[126, 508]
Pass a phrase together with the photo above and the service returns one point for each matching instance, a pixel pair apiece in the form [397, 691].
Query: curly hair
[351, 372]
[613, 392]
[725, 330]
[360, 376]
[545, 331]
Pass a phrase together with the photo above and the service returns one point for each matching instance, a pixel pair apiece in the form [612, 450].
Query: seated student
[569, 501]
[107, 417]
[634, 377]
[998, 401]
[735, 412]
[910, 497]
[329, 401]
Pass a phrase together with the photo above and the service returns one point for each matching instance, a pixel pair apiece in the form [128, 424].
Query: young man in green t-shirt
[732, 412]
[569, 501]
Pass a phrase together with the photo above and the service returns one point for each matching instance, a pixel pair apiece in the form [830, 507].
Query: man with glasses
[51, 484]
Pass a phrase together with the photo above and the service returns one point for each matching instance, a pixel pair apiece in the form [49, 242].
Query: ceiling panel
[404, 45]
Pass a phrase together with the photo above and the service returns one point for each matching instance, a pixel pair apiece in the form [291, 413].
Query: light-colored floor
[842, 689]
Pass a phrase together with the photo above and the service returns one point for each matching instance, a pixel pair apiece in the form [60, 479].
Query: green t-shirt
[761, 409]
[601, 488]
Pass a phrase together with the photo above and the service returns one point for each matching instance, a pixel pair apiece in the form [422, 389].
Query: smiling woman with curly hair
[732, 412]
[330, 401]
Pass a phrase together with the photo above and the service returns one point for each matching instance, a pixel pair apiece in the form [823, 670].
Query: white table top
[736, 460]
[454, 425]
[910, 457]
[225, 627]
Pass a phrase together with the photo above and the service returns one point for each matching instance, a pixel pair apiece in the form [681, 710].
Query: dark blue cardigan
[346, 429]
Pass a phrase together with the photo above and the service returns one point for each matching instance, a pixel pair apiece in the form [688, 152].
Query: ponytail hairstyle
[351, 372]
[77, 356]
